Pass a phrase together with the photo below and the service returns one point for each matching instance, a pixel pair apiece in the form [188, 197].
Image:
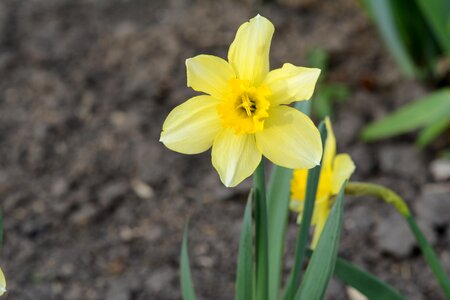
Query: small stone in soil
[433, 205]
[393, 235]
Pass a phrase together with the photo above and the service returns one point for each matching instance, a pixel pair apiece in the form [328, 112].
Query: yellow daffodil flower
[335, 170]
[245, 112]
[2, 283]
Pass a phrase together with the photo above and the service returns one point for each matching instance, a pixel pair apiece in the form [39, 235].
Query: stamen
[247, 104]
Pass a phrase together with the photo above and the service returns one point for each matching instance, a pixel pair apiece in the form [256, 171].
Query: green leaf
[244, 278]
[385, 18]
[366, 283]
[278, 196]
[418, 114]
[432, 131]
[303, 233]
[437, 14]
[187, 288]
[261, 235]
[321, 267]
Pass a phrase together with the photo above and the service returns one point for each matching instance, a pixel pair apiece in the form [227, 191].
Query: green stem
[389, 196]
[430, 256]
[262, 257]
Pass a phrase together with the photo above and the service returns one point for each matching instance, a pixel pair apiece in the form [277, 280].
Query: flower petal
[290, 139]
[343, 168]
[209, 74]
[249, 52]
[235, 157]
[291, 83]
[321, 212]
[330, 147]
[190, 128]
[2, 283]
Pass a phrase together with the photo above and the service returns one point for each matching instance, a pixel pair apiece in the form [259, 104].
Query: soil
[94, 206]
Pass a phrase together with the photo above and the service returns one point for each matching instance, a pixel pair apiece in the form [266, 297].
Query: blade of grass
[303, 233]
[244, 278]
[262, 255]
[187, 288]
[321, 267]
[420, 113]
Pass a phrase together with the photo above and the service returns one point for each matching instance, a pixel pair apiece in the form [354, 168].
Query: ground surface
[94, 206]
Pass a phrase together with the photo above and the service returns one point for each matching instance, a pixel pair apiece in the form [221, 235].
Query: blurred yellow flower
[2, 283]
[245, 112]
[335, 170]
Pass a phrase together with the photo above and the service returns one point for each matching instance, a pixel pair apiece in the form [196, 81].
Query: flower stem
[261, 235]
[389, 196]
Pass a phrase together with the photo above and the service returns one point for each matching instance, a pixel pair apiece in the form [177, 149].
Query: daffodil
[244, 111]
[2, 283]
[335, 170]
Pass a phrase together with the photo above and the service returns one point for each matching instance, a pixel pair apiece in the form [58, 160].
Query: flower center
[245, 108]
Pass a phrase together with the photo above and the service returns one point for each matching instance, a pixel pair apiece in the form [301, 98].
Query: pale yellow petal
[330, 147]
[321, 212]
[249, 52]
[190, 128]
[290, 139]
[209, 74]
[2, 283]
[291, 83]
[235, 157]
[343, 168]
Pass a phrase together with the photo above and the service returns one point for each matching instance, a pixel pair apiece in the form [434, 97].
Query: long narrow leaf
[437, 13]
[384, 18]
[187, 288]
[432, 131]
[369, 285]
[418, 114]
[321, 267]
[244, 278]
[278, 195]
[366, 283]
[303, 233]
[261, 235]
[278, 210]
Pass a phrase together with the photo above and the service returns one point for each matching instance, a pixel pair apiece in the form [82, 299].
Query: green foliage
[431, 112]
[411, 30]
[321, 267]
[364, 282]
[437, 14]
[303, 233]
[261, 235]
[325, 94]
[187, 288]
[278, 196]
[244, 276]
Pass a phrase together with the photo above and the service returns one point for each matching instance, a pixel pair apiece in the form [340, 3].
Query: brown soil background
[94, 206]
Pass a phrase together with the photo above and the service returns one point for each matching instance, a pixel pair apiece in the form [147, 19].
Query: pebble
[402, 160]
[394, 236]
[119, 290]
[433, 205]
[440, 169]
